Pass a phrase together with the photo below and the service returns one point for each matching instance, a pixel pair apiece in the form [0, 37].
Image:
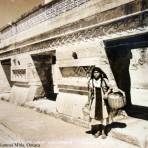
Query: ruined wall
[76, 33]
[66, 13]
[74, 73]
[32, 77]
[21, 90]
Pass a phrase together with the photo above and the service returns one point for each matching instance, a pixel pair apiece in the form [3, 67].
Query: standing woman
[97, 100]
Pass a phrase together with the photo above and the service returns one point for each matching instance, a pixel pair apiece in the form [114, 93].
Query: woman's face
[96, 74]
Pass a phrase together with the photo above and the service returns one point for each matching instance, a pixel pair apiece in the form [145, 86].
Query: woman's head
[97, 73]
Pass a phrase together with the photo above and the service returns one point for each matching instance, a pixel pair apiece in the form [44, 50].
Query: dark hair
[103, 75]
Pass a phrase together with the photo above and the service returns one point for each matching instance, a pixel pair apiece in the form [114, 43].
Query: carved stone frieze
[41, 15]
[79, 71]
[126, 25]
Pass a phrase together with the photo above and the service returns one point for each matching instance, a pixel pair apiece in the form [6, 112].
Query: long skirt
[99, 107]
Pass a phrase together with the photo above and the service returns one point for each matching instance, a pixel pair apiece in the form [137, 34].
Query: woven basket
[116, 100]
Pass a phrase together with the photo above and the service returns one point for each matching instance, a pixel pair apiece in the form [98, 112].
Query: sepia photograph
[73, 73]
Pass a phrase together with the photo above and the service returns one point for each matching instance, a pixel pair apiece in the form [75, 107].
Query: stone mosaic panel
[18, 75]
[43, 14]
[120, 27]
[80, 71]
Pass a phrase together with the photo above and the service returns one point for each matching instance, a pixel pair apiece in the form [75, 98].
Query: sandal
[97, 134]
[104, 136]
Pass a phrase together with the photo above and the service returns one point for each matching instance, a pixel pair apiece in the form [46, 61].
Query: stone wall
[32, 77]
[74, 73]
[79, 38]
[45, 19]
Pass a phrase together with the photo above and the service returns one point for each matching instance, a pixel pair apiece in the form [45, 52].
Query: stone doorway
[44, 63]
[128, 58]
[6, 65]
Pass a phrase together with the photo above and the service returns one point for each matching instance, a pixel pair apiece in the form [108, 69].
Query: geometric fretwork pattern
[123, 25]
[79, 71]
[41, 15]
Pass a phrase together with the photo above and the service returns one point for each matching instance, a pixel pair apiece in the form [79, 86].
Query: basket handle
[118, 91]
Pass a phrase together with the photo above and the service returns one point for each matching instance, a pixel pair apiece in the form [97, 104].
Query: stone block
[19, 94]
[71, 105]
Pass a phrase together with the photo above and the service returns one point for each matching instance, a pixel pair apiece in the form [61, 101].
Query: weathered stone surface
[27, 85]
[55, 49]
[125, 25]
[66, 18]
[135, 132]
[71, 104]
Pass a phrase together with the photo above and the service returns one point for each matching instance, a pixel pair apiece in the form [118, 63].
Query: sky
[12, 9]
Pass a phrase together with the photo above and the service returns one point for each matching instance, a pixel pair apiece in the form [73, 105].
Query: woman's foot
[104, 136]
[96, 135]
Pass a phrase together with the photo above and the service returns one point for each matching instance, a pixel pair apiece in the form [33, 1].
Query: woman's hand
[105, 96]
[118, 90]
